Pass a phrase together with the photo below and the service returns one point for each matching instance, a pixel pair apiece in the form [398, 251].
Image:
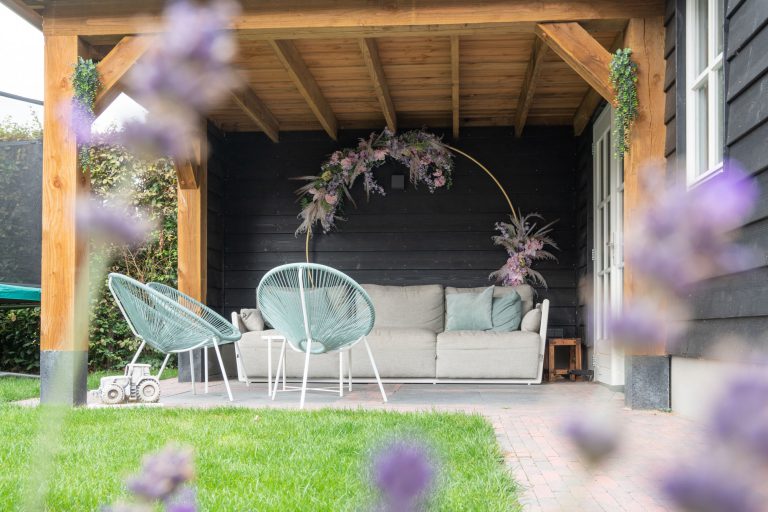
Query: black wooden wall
[584, 234]
[408, 237]
[216, 166]
[735, 304]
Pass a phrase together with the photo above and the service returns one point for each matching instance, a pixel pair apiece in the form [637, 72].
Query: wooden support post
[64, 271]
[580, 51]
[455, 85]
[193, 230]
[375, 69]
[529, 84]
[645, 36]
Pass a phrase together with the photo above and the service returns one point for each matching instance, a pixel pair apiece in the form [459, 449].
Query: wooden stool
[574, 363]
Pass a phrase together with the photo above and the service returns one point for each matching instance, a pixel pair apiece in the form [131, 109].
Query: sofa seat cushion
[488, 355]
[420, 307]
[399, 353]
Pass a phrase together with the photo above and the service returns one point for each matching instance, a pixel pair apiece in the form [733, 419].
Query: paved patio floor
[528, 421]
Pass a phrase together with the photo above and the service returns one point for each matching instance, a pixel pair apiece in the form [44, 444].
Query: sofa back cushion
[469, 311]
[524, 290]
[420, 307]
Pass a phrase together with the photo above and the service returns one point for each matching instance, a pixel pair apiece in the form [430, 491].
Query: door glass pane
[718, 15]
[608, 163]
[701, 36]
[702, 129]
[720, 102]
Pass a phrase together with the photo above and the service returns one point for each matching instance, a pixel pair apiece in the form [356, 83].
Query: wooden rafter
[291, 58]
[355, 19]
[529, 84]
[455, 84]
[580, 51]
[24, 11]
[372, 61]
[592, 99]
[258, 111]
[116, 65]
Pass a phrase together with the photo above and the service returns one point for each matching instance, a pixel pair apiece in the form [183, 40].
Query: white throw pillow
[252, 319]
[532, 320]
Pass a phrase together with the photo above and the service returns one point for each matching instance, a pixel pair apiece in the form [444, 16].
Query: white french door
[608, 254]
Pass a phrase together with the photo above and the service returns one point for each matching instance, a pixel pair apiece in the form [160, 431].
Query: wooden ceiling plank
[370, 52]
[580, 51]
[538, 53]
[258, 111]
[455, 85]
[299, 72]
[25, 12]
[116, 65]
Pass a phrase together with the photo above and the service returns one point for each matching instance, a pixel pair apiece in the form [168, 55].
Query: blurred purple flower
[403, 472]
[111, 223]
[740, 416]
[185, 500]
[596, 438]
[646, 322]
[163, 474]
[708, 489]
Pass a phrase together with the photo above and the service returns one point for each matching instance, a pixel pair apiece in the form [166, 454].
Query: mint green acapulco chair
[171, 322]
[319, 310]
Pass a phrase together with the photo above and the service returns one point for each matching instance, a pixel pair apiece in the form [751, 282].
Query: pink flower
[440, 181]
[346, 163]
[331, 199]
[379, 154]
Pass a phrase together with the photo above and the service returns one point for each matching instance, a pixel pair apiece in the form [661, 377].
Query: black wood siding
[409, 237]
[216, 165]
[735, 304]
[585, 233]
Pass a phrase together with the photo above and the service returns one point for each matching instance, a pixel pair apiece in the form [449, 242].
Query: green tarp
[14, 293]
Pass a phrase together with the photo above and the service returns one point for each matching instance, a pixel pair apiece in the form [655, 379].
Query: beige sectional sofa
[410, 344]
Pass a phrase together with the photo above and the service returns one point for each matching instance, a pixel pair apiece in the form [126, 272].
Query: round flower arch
[430, 164]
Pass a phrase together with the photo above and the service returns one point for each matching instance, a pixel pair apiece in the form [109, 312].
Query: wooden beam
[288, 54]
[25, 12]
[294, 19]
[258, 111]
[116, 65]
[188, 174]
[580, 51]
[538, 53]
[372, 61]
[592, 99]
[192, 218]
[455, 86]
[64, 269]
[646, 151]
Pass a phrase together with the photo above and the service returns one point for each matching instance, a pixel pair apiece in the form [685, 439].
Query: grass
[21, 388]
[248, 459]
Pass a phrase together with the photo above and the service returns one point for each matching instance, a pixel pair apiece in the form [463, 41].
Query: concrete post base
[63, 377]
[647, 382]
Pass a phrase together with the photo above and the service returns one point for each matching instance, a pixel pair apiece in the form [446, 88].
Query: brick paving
[527, 419]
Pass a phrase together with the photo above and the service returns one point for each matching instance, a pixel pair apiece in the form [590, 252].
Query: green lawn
[21, 388]
[248, 459]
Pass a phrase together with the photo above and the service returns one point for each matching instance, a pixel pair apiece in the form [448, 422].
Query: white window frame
[694, 81]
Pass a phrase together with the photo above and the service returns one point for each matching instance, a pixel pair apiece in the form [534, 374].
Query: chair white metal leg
[141, 347]
[280, 363]
[223, 371]
[306, 372]
[341, 374]
[375, 370]
[269, 366]
[205, 364]
[349, 368]
[165, 362]
[192, 371]
[284, 365]
[240, 365]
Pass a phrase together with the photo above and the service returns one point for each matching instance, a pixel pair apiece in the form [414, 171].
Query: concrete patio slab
[528, 421]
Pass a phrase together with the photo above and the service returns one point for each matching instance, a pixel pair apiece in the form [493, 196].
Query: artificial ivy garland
[86, 84]
[623, 77]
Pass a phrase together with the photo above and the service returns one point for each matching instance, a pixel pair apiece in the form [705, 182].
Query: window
[705, 103]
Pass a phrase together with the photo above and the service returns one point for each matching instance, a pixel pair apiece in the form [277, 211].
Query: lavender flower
[647, 322]
[403, 472]
[740, 416]
[111, 223]
[163, 474]
[596, 438]
[708, 489]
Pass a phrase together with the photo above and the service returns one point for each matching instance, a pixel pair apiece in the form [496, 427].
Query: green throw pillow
[507, 312]
[469, 311]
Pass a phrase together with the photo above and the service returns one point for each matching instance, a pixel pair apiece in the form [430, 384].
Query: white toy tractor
[137, 383]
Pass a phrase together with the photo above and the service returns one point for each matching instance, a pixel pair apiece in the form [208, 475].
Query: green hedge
[148, 185]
